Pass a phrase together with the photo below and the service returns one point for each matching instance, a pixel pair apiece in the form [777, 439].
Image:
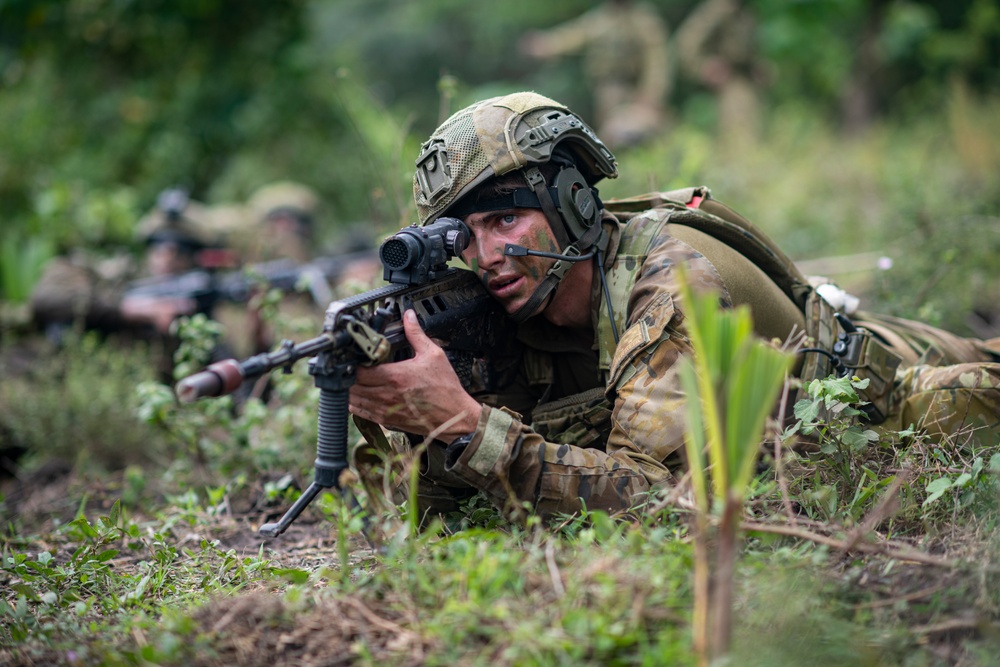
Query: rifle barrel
[226, 376]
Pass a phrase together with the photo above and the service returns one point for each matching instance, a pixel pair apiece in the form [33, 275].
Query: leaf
[85, 527]
[936, 489]
[115, 514]
[855, 438]
[962, 480]
[939, 484]
[292, 575]
[806, 410]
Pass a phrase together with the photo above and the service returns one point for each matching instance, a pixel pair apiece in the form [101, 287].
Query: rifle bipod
[334, 379]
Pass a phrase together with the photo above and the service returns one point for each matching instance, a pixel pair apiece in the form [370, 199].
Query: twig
[779, 466]
[375, 619]
[893, 552]
[952, 625]
[550, 561]
[909, 597]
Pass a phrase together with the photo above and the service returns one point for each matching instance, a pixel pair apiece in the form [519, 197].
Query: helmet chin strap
[572, 252]
[564, 262]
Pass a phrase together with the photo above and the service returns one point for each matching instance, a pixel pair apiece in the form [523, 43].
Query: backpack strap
[636, 239]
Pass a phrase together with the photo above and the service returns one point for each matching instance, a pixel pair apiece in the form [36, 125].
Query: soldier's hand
[420, 395]
[156, 311]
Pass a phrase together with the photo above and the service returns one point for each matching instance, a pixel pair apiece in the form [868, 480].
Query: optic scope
[415, 255]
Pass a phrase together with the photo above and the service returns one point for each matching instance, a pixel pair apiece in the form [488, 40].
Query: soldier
[594, 415]
[280, 225]
[627, 63]
[717, 47]
[77, 289]
[283, 223]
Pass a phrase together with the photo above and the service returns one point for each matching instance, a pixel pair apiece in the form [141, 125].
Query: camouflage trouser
[960, 402]
[948, 386]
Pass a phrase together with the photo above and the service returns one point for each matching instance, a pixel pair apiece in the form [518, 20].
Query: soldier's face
[510, 280]
[166, 259]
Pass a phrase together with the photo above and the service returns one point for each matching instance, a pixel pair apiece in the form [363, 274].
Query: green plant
[21, 263]
[732, 382]
[75, 404]
[830, 416]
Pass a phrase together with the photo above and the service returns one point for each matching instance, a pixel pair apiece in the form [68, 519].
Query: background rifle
[451, 305]
[207, 287]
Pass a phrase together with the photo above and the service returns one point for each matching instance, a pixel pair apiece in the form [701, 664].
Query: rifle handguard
[221, 378]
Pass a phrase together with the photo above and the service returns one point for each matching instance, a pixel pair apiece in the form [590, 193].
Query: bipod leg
[277, 528]
[334, 382]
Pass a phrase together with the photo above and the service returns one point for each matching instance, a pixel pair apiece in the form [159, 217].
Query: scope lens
[396, 252]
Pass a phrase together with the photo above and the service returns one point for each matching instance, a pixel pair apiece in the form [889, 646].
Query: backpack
[831, 344]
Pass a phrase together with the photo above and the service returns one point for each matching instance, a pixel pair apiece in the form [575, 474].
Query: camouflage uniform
[574, 430]
[77, 288]
[627, 62]
[947, 386]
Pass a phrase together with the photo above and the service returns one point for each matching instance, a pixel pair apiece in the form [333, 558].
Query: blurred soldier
[717, 47]
[76, 288]
[283, 223]
[627, 62]
[283, 218]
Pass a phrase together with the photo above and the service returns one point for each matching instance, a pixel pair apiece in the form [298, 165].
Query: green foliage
[736, 378]
[854, 464]
[223, 96]
[965, 484]
[76, 404]
[81, 604]
[21, 262]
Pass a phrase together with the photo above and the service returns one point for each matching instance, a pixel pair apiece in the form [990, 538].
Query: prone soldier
[593, 414]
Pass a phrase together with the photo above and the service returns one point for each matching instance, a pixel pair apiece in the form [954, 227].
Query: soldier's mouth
[505, 286]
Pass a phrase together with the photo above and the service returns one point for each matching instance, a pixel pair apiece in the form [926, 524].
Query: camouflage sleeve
[67, 292]
[513, 464]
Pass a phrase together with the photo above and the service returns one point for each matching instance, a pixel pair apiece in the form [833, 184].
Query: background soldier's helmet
[285, 198]
[499, 135]
[177, 219]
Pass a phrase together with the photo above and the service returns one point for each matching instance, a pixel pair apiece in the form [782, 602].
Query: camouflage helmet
[284, 197]
[497, 136]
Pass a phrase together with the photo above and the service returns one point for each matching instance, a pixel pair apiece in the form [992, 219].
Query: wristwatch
[462, 441]
[455, 449]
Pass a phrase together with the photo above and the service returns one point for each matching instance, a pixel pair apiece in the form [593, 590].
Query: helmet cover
[498, 135]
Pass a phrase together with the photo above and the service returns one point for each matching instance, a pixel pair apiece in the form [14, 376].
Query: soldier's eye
[508, 219]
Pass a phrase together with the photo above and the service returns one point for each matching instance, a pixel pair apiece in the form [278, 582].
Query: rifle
[208, 287]
[451, 305]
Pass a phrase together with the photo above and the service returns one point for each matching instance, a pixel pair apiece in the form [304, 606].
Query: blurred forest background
[103, 103]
